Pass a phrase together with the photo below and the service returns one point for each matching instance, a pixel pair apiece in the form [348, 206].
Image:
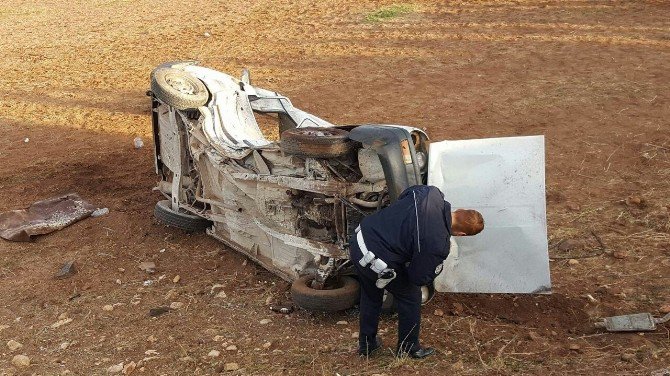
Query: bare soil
[592, 76]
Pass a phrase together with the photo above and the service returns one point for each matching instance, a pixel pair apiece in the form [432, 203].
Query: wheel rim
[181, 84]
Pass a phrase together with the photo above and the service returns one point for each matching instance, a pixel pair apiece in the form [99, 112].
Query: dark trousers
[406, 295]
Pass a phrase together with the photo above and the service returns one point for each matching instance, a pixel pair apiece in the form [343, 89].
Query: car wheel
[178, 89]
[317, 142]
[181, 219]
[342, 297]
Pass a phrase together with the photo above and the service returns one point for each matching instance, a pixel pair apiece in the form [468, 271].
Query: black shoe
[419, 353]
[368, 349]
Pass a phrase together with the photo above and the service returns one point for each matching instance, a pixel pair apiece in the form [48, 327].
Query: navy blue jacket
[415, 229]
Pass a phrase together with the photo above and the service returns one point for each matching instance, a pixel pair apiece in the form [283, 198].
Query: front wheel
[343, 296]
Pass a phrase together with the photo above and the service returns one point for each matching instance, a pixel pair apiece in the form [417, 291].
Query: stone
[148, 266]
[627, 357]
[573, 207]
[636, 201]
[573, 262]
[665, 308]
[574, 347]
[13, 345]
[64, 345]
[3, 327]
[231, 367]
[108, 308]
[267, 345]
[438, 312]
[221, 295]
[457, 309]
[129, 368]
[67, 270]
[158, 311]
[21, 361]
[218, 338]
[214, 354]
[115, 368]
[176, 305]
[342, 322]
[63, 316]
[152, 339]
[265, 321]
[176, 279]
[231, 348]
[355, 335]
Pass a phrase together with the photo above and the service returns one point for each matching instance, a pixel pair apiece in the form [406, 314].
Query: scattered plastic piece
[638, 322]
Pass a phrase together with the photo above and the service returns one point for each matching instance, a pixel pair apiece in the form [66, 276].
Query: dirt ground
[592, 76]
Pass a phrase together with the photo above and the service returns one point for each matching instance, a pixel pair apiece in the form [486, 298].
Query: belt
[384, 274]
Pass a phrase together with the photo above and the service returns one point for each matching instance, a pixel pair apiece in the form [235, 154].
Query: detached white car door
[504, 179]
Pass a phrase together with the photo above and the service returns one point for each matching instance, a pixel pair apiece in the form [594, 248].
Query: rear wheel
[342, 296]
[317, 142]
[181, 219]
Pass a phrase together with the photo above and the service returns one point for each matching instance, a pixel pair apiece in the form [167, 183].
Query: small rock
[21, 361]
[574, 347]
[26, 140]
[282, 308]
[187, 359]
[573, 262]
[214, 353]
[67, 270]
[13, 345]
[267, 345]
[151, 352]
[635, 201]
[627, 357]
[207, 35]
[231, 348]
[355, 335]
[63, 316]
[665, 308]
[231, 367]
[176, 305]
[457, 309]
[342, 322]
[265, 321]
[218, 338]
[115, 368]
[148, 266]
[3, 327]
[573, 207]
[176, 279]
[438, 312]
[152, 339]
[108, 308]
[221, 295]
[64, 345]
[155, 312]
[619, 254]
[118, 281]
[138, 143]
[269, 300]
[129, 368]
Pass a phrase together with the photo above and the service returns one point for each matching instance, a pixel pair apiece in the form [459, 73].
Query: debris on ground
[43, 217]
[116, 368]
[67, 270]
[282, 308]
[148, 266]
[231, 367]
[638, 322]
[13, 345]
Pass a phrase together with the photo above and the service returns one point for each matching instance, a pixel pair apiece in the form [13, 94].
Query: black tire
[317, 142]
[178, 89]
[338, 299]
[182, 220]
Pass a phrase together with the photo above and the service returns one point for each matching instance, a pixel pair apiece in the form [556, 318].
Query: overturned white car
[291, 203]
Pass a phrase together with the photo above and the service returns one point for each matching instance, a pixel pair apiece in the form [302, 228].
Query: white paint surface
[503, 178]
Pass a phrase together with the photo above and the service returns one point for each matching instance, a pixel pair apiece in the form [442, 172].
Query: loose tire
[178, 89]
[317, 142]
[337, 299]
[182, 220]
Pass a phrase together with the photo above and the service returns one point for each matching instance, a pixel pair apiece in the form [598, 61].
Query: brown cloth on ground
[43, 217]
